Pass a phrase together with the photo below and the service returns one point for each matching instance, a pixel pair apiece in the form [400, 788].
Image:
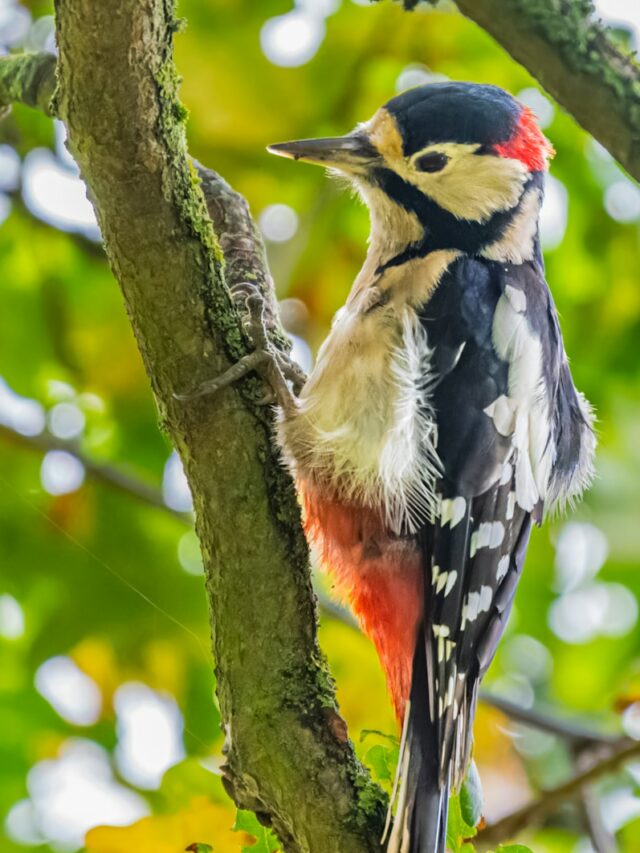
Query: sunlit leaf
[210, 823]
[458, 830]
[265, 840]
[513, 848]
[471, 796]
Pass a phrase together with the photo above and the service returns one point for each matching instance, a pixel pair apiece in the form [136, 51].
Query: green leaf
[458, 830]
[265, 840]
[471, 796]
[381, 760]
[196, 847]
[513, 848]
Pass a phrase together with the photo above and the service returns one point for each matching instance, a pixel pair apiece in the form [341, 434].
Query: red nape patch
[527, 144]
[380, 575]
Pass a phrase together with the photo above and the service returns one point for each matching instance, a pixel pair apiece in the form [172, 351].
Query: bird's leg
[275, 367]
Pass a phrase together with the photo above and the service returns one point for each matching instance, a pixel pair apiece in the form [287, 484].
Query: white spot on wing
[486, 594]
[503, 415]
[507, 474]
[517, 344]
[488, 535]
[517, 298]
[475, 603]
[452, 510]
[503, 567]
[453, 576]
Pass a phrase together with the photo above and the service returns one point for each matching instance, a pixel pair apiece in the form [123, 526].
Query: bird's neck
[398, 236]
[519, 240]
[394, 231]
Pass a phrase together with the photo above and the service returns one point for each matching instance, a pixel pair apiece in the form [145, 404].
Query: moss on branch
[27, 78]
[289, 758]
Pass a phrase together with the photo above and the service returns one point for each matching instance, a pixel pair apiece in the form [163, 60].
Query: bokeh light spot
[15, 21]
[66, 421]
[278, 223]
[149, 727]
[622, 200]
[189, 554]
[581, 551]
[291, 40]
[61, 472]
[20, 414]
[69, 691]
[57, 195]
[417, 74]
[11, 618]
[175, 488]
[554, 214]
[75, 792]
[9, 169]
[541, 107]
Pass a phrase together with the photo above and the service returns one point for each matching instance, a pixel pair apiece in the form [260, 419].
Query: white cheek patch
[471, 186]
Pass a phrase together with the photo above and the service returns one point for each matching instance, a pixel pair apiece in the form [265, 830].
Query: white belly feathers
[363, 427]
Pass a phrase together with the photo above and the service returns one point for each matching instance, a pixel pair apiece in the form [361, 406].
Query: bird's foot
[275, 366]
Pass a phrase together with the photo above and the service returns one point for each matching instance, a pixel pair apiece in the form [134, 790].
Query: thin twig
[581, 736]
[107, 474]
[549, 800]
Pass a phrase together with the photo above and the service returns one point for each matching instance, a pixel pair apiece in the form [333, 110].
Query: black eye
[433, 162]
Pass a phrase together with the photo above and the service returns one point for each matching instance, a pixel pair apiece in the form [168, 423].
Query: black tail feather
[420, 824]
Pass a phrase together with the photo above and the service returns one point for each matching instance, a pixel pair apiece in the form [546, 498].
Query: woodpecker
[440, 420]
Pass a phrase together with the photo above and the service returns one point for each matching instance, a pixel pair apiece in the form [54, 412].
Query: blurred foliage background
[107, 712]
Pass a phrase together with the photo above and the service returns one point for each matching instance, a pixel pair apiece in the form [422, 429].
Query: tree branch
[548, 801]
[288, 755]
[114, 477]
[580, 737]
[27, 78]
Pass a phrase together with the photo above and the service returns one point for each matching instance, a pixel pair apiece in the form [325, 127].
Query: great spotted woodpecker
[440, 419]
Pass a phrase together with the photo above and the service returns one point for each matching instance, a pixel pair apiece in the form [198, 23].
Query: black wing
[474, 550]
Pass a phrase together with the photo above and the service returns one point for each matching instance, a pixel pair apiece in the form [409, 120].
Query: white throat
[393, 229]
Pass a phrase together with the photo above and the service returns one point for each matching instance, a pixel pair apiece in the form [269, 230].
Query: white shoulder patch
[524, 413]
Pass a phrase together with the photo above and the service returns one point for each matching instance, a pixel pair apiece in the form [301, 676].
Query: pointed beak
[347, 153]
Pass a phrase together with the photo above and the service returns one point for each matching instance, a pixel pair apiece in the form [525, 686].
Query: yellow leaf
[201, 822]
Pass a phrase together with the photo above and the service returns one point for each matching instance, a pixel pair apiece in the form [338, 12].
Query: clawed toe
[275, 367]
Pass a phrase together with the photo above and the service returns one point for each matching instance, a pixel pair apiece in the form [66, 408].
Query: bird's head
[445, 165]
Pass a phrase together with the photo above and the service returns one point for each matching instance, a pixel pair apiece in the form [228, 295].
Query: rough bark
[288, 755]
